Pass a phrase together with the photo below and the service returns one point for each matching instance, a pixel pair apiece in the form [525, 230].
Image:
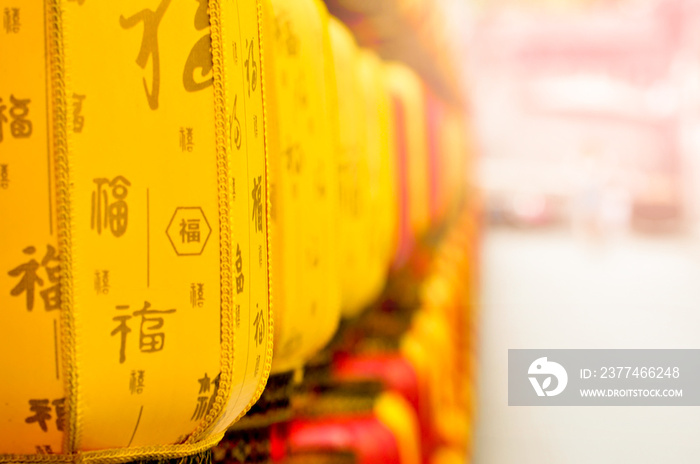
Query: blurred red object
[398, 375]
[364, 435]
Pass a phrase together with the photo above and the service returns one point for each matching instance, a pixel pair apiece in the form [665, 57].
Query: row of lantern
[188, 184]
[396, 385]
[399, 166]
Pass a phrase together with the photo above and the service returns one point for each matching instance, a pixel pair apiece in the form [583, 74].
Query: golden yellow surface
[30, 325]
[447, 455]
[356, 235]
[145, 175]
[301, 77]
[454, 147]
[406, 87]
[432, 331]
[399, 417]
[381, 159]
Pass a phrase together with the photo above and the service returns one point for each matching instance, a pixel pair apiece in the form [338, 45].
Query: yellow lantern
[406, 93]
[379, 124]
[136, 243]
[353, 173]
[300, 77]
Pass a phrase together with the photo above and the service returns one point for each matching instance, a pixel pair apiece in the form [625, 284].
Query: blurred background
[587, 117]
